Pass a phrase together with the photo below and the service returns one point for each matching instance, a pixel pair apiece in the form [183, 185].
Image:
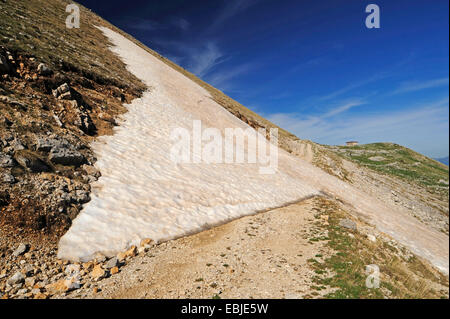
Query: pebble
[21, 249]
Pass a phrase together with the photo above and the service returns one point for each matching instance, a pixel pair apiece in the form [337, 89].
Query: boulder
[45, 144]
[30, 161]
[65, 155]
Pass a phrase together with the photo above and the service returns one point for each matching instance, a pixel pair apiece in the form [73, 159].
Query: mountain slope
[45, 195]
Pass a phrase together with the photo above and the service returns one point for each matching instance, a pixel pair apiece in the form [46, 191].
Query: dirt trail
[260, 256]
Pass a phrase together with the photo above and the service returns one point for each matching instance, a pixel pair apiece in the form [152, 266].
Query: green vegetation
[401, 275]
[398, 161]
[38, 29]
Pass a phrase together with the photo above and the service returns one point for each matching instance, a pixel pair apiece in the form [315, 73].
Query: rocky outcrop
[66, 156]
[31, 161]
[63, 92]
[44, 69]
[6, 66]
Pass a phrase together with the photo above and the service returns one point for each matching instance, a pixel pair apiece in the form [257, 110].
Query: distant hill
[443, 160]
[397, 161]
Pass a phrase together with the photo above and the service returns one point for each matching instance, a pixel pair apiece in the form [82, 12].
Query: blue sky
[312, 67]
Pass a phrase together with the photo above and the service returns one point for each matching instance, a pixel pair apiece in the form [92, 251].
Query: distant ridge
[443, 160]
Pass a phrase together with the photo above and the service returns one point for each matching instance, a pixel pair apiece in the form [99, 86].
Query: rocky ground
[295, 251]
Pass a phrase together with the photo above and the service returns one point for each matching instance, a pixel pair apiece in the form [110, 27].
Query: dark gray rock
[66, 156]
[46, 144]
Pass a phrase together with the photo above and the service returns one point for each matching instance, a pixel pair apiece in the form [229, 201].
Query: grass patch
[400, 162]
[400, 277]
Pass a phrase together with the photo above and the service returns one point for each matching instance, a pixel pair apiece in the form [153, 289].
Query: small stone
[22, 291]
[113, 262]
[98, 273]
[43, 69]
[30, 282]
[347, 223]
[21, 249]
[64, 285]
[17, 278]
[99, 258]
[88, 265]
[40, 296]
[146, 241]
[6, 161]
[72, 268]
[131, 252]
[35, 291]
[114, 270]
[63, 92]
[28, 270]
[372, 238]
[121, 256]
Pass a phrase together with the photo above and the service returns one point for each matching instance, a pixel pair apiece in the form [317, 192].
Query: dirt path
[260, 256]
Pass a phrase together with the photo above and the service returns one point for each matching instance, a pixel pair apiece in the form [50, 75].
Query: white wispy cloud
[230, 9]
[342, 108]
[407, 87]
[198, 57]
[423, 127]
[221, 78]
[202, 59]
[353, 86]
